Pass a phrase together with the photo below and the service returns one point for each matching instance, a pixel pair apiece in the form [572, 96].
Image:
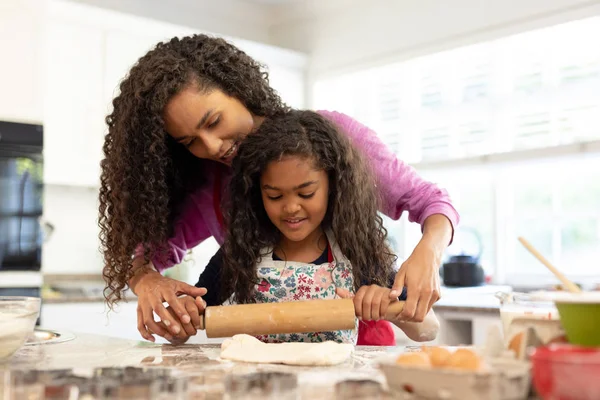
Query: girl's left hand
[420, 275]
[370, 302]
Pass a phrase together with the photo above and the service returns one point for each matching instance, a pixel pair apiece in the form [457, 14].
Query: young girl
[303, 224]
[178, 120]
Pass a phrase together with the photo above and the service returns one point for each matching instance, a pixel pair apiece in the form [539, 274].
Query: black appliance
[21, 199]
[21, 192]
[463, 269]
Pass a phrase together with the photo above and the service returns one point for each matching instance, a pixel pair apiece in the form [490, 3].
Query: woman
[181, 113]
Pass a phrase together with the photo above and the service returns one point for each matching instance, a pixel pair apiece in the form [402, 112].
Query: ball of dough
[414, 359]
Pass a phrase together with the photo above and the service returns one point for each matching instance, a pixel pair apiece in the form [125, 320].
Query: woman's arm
[420, 272]
[402, 189]
[152, 289]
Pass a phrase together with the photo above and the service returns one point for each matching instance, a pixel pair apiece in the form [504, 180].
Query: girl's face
[295, 196]
[211, 125]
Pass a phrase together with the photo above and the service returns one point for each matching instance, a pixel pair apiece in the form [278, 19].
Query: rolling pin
[286, 317]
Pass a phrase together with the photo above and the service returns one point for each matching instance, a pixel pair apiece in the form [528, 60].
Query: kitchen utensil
[579, 315]
[45, 336]
[17, 321]
[261, 385]
[566, 372]
[286, 317]
[570, 286]
[353, 389]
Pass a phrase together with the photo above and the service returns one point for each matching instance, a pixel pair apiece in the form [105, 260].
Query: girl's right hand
[152, 290]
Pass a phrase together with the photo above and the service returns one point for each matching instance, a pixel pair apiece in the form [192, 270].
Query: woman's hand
[420, 272]
[370, 302]
[195, 308]
[152, 290]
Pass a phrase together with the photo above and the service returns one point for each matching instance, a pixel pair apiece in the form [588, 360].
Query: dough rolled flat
[246, 348]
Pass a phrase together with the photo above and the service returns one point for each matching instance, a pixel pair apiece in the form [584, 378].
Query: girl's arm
[210, 279]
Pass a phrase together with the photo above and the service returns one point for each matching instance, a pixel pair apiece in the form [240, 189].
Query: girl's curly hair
[351, 212]
[145, 173]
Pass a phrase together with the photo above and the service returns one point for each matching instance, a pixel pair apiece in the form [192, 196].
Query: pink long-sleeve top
[401, 189]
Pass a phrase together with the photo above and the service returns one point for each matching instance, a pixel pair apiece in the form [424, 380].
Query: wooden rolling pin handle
[338, 307]
[394, 309]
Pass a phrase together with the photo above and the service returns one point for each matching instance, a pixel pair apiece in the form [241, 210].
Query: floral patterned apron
[281, 281]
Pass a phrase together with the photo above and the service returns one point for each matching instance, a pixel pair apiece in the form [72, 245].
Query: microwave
[21, 196]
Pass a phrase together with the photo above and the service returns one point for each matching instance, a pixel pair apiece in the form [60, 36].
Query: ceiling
[274, 2]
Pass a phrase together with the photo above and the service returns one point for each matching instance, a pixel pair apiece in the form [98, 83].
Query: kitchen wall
[353, 33]
[21, 33]
[73, 245]
[62, 61]
[235, 18]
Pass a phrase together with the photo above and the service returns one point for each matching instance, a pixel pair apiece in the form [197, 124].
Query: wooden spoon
[571, 287]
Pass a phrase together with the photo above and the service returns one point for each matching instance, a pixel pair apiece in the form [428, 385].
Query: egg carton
[503, 377]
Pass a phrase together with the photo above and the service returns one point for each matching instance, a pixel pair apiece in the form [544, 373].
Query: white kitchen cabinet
[21, 33]
[87, 52]
[123, 49]
[73, 110]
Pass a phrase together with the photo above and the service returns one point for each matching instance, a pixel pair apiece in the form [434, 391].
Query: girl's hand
[195, 308]
[370, 302]
[152, 290]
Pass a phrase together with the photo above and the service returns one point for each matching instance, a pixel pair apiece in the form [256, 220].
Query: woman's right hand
[196, 308]
[152, 290]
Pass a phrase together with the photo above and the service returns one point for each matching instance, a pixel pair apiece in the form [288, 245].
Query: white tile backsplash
[73, 247]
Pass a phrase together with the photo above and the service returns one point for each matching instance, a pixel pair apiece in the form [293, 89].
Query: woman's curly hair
[145, 173]
[351, 211]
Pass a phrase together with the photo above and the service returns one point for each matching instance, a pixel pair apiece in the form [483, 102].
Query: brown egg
[516, 342]
[415, 359]
[464, 359]
[437, 355]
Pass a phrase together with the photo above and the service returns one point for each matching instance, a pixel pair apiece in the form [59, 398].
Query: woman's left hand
[420, 272]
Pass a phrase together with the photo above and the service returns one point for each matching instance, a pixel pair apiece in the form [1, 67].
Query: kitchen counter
[68, 299]
[87, 351]
[479, 299]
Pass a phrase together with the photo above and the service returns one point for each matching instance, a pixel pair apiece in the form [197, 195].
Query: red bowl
[566, 372]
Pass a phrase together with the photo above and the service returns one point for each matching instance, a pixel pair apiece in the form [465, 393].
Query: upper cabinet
[86, 54]
[21, 42]
[73, 109]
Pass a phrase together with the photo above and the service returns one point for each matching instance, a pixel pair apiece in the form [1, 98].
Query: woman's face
[210, 124]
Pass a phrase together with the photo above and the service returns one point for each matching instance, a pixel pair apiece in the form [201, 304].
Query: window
[511, 128]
